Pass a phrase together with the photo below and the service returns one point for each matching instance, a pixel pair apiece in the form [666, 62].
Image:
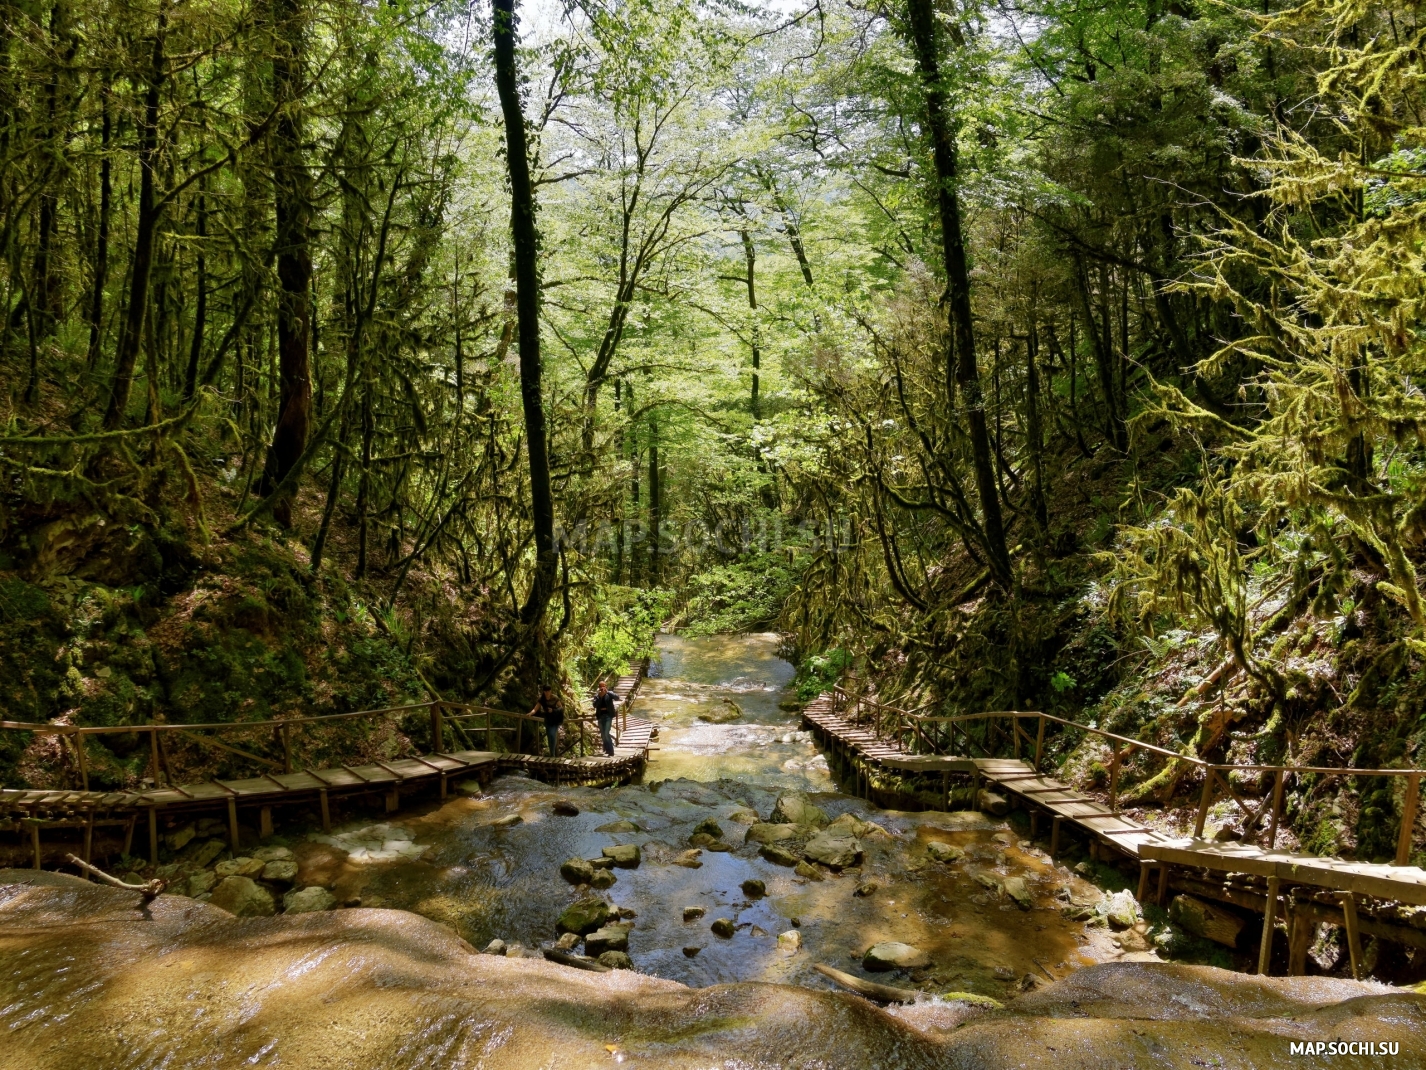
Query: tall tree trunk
[1033, 430]
[750, 259]
[101, 243]
[146, 224]
[1103, 358]
[525, 242]
[655, 504]
[200, 282]
[962, 372]
[292, 204]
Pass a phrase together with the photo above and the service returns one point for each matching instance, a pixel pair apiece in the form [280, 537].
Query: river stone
[603, 878]
[625, 855]
[744, 817]
[991, 803]
[577, 871]
[1120, 910]
[892, 955]
[693, 913]
[769, 833]
[1019, 892]
[243, 897]
[865, 889]
[201, 882]
[808, 871]
[709, 827]
[204, 854]
[836, 850]
[506, 821]
[689, 859]
[754, 889]
[794, 809]
[789, 941]
[1132, 940]
[239, 867]
[584, 916]
[616, 960]
[565, 808]
[719, 848]
[280, 871]
[272, 854]
[308, 900]
[702, 839]
[606, 938]
[180, 837]
[690, 952]
[495, 947]
[852, 824]
[778, 856]
[618, 826]
[722, 927]
[1206, 920]
[944, 852]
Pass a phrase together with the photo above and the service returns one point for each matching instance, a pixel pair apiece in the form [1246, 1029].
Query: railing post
[1015, 733]
[487, 730]
[286, 749]
[438, 739]
[1408, 819]
[83, 764]
[153, 753]
[1039, 743]
[1204, 802]
[1114, 781]
[1277, 808]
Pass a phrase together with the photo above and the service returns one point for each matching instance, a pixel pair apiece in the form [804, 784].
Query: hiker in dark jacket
[604, 706]
[549, 707]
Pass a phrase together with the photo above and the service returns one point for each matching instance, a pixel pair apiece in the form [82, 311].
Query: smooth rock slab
[308, 900]
[893, 955]
[836, 850]
[243, 897]
[764, 832]
[625, 855]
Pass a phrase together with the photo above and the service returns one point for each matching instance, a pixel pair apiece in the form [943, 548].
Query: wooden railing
[910, 727]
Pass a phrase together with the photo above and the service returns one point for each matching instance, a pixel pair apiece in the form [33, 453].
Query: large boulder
[244, 897]
[308, 900]
[836, 850]
[201, 882]
[708, 827]
[240, 867]
[852, 824]
[779, 856]
[625, 855]
[991, 803]
[795, 809]
[944, 852]
[616, 960]
[1019, 892]
[603, 878]
[1121, 910]
[893, 955]
[205, 852]
[769, 833]
[1205, 920]
[273, 854]
[584, 916]
[280, 871]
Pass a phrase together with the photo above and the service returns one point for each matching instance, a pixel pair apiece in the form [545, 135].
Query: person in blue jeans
[549, 707]
[604, 707]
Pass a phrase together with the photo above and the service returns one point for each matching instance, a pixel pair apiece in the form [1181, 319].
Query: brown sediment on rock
[89, 979]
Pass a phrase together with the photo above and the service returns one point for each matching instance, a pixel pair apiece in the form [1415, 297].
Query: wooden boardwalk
[1241, 873]
[38, 814]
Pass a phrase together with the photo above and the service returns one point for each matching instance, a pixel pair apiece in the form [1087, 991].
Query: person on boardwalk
[604, 705]
[549, 707]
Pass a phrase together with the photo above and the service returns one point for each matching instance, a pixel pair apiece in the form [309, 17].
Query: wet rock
[606, 938]
[725, 713]
[1205, 920]
[690, 952]
[865, 889]
[567, 941]
[619, 826]
[616, 960]
[272, 854]
[693, 913]
[1120, 910]
[789, 941]
[991, 803]
[211, 826]
[851, 824]
[507, 821]
[204, 854]
[808, 871]
[719, 848]
[495, 947]
[893, 955]
[308, 900]
[764, 832]
[944, 852]
[584, 916]
[836, 850]
[603, 878]
[1132, 940]
[468, 787]
[754, 889]
[795, 809]
[243, 897]
[1004, 838]
[1003, 973]
[779, 856]
[565, 808]
[625, 855]
[625, 912]
[601, 862]
[702, 839]
[988, 881]
[689, 859]
[201, 882]
[577, 871]
[744, 817]
[722, 927]
[1019, 892]
[280, 871]
[180, 837]
[708, 827]
[795, 922]
[239, 867]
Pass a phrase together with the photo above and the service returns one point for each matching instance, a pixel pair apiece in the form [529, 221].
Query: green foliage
[819, 672]
[629, 622]
[744, 595]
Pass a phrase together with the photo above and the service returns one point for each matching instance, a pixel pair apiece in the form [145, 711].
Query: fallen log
[869, 989]
[149, 889]
[579, 962]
